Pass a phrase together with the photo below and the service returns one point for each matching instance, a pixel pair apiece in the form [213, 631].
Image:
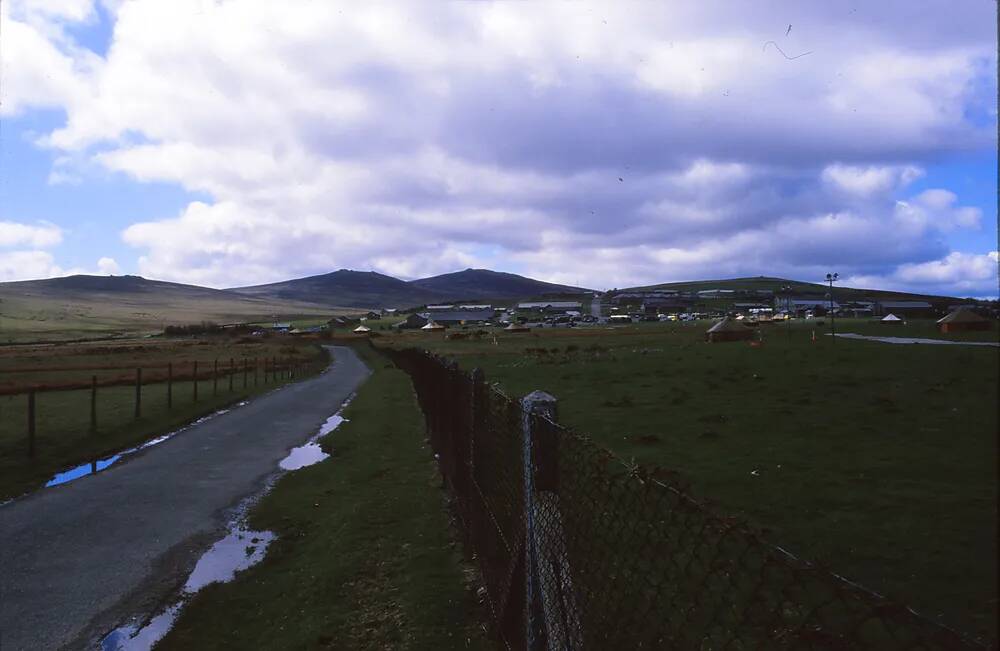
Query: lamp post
[832, 278]
[786, 291]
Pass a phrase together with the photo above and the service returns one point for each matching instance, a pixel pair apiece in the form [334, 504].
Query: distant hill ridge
[107, 284]
[368, 289]
[795, 287]
[371, 289]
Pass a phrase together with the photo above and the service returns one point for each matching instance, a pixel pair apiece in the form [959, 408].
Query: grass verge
[363, 559]
[878, 460]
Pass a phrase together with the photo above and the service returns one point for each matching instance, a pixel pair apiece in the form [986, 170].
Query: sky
[229, 143]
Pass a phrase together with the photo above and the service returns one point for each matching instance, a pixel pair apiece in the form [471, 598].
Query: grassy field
[878, 460]
[65, 310]
[363, 559]
[63, 437]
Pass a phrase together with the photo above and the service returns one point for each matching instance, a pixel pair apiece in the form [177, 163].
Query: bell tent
[728, 330]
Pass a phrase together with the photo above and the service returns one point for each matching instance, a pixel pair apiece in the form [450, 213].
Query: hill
[370, 289]
[88, 306]
[795, 287]
[345, 287]
[483, 283]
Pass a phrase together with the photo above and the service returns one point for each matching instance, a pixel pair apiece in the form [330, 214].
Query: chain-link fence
[579, 550]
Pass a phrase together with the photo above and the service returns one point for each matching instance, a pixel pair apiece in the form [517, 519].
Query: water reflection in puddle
[239, 550]
[311, 452]
[100, 464]
[236, 552]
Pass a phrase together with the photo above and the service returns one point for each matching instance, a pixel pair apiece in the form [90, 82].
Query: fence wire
[579, 550]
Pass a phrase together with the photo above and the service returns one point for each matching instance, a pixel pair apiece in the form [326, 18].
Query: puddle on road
[98, 465]
[302, 456]
[82, 471]
[240, 549]
[236, 552]
[311, 452]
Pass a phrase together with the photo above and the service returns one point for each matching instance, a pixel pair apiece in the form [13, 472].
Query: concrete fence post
[553, 608]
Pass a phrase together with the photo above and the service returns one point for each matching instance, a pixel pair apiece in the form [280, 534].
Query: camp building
[963, 320]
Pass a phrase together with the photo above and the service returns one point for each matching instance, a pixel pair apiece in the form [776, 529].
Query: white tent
[362, 329]
[431, 325]
[891, 318]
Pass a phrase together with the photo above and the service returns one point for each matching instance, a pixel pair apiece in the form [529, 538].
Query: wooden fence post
[31, 423]
[170, 385]
[138, 393]
[93, 404]
[215, 378]
[245, 370]
[232, 370]
[196, 380]
[255, 371]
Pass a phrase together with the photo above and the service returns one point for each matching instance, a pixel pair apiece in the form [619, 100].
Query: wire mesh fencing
[580, 550]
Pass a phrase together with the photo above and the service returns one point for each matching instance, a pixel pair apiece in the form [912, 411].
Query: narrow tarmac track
[78, 558]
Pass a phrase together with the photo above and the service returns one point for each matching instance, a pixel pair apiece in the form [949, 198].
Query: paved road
[77, 559]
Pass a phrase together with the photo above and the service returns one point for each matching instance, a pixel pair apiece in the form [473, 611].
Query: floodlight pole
[831, 278]
[786, 290]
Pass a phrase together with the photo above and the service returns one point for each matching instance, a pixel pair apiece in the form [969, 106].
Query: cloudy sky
[609, 144]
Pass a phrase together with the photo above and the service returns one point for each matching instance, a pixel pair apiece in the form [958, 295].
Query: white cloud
[47, 10]
[41, 235]
[962, 274]
[592, 144]
[108, 267]
[870, 180]
[935, 208]
[25, 265]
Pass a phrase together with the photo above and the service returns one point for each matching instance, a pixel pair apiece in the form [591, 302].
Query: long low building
[550, 306]
[460, 317]
[909, 308]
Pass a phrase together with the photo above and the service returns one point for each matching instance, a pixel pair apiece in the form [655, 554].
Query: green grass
[364, 558]
[40, 311]
[878, 460]
[63, 437]
[60, 365]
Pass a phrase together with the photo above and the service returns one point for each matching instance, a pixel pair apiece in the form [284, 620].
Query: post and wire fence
[148, 380]
[580, 550]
